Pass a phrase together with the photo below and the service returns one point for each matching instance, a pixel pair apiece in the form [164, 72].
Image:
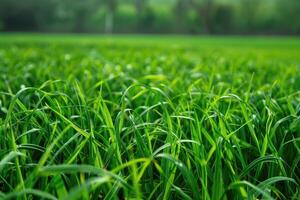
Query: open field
[149, 117]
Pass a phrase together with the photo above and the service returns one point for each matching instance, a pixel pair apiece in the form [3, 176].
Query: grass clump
[148, 118]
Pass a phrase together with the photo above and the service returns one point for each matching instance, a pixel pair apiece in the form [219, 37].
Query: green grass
[149, 117]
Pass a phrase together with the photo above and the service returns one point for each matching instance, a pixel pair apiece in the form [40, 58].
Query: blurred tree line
[152, 16]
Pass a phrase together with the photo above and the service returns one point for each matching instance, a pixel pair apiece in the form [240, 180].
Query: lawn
[149, 117]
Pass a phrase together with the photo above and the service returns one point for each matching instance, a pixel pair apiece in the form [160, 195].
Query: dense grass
[149, 117]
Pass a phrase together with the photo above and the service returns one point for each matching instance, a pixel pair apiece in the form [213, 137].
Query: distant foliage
[151, 16]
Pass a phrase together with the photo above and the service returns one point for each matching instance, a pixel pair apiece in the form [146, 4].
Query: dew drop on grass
[75, 116]
[67, 57]
[129, 66]
[3, 109]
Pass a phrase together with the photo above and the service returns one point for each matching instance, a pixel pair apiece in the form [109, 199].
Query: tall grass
[109, 120]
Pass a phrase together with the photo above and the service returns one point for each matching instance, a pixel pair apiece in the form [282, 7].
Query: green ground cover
[149, 117]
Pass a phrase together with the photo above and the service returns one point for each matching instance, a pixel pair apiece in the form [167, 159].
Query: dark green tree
[204, 9]
[111, 6]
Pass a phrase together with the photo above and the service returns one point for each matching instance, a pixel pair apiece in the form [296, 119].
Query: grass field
[149, 117]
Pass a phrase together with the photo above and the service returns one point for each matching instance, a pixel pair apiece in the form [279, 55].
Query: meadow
[149, 117]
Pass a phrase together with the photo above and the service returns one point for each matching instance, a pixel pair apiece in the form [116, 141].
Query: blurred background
[152, 16]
